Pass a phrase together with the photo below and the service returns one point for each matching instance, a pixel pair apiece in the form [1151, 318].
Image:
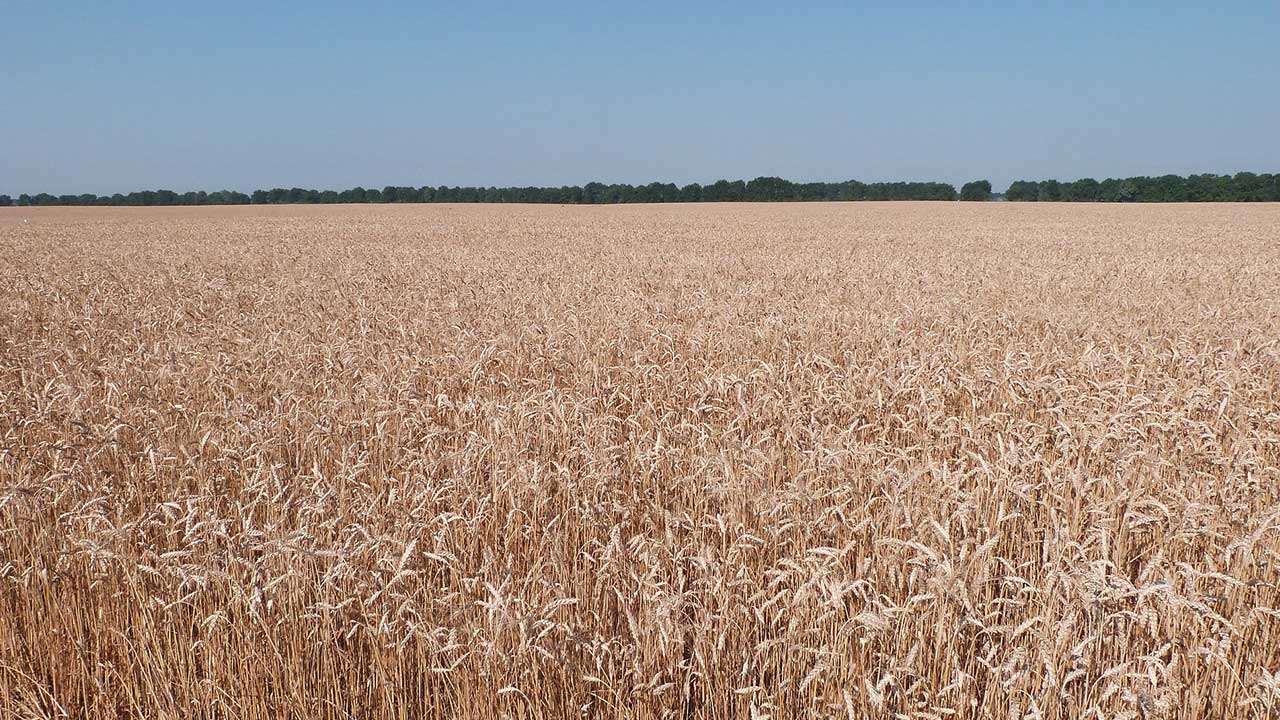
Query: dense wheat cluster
[719, 461]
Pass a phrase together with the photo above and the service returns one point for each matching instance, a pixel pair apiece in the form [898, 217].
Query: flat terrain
[706, 461]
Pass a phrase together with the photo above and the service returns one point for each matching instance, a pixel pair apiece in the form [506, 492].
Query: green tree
[725, 191]
[1128, 190]
[1050, 191]
[1083, 190]
[691, 193]
[764, 189]
[1023, 191]
[978, 190]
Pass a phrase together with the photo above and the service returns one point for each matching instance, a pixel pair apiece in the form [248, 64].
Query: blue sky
[118, 96]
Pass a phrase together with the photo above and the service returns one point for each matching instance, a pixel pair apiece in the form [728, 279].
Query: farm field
[859, 460]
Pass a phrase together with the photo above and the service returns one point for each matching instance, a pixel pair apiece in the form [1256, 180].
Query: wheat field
[706, 461]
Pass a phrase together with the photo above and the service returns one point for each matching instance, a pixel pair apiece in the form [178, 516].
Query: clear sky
[117, 96]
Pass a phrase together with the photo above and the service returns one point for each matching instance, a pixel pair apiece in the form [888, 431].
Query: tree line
[1241, 187]
[757, 190]
[143, 197]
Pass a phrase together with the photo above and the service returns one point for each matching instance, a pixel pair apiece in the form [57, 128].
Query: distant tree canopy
[1241, 187]
[977, 190]
[142, 197]
[761, 189]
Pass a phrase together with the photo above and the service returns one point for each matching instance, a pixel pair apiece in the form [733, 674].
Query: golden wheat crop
[714, 461]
